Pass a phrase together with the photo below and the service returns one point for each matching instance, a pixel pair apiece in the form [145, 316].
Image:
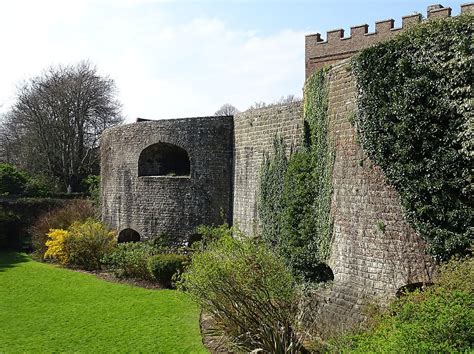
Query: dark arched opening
[194, 238]
[128, 235]
[409, 288]
[319, 273]
[163, 159]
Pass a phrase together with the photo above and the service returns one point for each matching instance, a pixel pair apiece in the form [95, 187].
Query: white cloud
[163, 69]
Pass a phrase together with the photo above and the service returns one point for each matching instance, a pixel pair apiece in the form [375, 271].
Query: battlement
[319, 53]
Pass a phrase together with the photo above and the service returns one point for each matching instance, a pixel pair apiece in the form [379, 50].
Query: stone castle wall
[374, 250]
[172, 205]
[319, 53]
[255, 131]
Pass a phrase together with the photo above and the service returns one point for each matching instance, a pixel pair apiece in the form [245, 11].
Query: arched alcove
[164, 159]
[194, 238]
[411, 287]
[320, 273]
[128, 235]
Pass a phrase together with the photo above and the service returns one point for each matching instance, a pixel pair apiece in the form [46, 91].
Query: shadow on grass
[10, 259]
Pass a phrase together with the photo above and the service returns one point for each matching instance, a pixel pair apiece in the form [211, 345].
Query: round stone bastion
[164, 178]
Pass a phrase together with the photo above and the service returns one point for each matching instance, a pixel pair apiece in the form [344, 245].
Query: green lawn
[44, 308]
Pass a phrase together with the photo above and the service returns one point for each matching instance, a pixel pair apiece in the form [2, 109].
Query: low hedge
[162, 267]
[129, 260]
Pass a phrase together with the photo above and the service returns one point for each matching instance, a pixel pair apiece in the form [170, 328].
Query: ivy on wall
[416, 122]
[295, 193]
[270, 203]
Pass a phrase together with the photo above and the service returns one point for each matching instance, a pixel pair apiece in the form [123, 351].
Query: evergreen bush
[130, 260]
[249, 292]
[12, 181]
[163, 267]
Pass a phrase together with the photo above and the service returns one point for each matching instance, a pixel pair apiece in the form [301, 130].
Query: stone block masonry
[169, 176]
[319, 53]
[255, 131]
[374, 251]
[224, 170]
[171, 204]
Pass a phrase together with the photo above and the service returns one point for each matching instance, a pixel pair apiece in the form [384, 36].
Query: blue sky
[180, 58]
[271, 16]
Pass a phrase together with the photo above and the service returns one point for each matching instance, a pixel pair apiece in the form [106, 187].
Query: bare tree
[226, 110]
[258, 104]
[55, 124]
[282, 101]
[288, 99]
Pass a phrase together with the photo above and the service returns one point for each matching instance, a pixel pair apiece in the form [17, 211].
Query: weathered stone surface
[319, 52]
[374, 250]
[172, 205]
[255, 131]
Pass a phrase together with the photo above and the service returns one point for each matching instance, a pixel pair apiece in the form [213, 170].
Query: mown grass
[44, 308]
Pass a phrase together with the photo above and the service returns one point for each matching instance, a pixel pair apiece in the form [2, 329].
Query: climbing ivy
[415, 120]
[322, 157]
[271, 205]
[295, 193]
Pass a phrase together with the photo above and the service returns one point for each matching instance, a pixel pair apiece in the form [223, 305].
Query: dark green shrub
[415, 121]
[16, 182]
[439, 319]
[162, 241]
[163, 266]
[249, 292]
[169, 244]
[8, 225]
[92, 185]
[12, 181]
[130, 260]
[42, 186]
[59, 218]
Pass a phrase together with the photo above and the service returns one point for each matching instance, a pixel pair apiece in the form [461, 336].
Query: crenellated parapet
[336, 47]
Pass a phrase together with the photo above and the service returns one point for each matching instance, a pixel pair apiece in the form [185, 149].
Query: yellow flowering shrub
[83, 244]
[56, 246]
[88, 243]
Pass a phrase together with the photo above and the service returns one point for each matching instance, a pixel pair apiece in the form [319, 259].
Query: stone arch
[194, 238]
[321, 273]
[164, 159]
[128, 235]
[411, 287]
